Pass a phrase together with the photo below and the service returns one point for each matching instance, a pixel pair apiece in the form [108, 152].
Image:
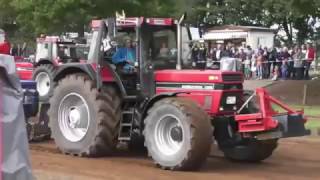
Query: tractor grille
[232, 77]
[237, 86]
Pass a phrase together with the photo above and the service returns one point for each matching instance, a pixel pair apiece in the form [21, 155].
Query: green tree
[56, 16]
[288, 14]
[7, 16]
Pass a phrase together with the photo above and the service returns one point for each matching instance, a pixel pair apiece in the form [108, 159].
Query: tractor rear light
[160, 21]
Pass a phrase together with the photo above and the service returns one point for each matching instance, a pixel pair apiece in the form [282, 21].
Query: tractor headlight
[231, 100]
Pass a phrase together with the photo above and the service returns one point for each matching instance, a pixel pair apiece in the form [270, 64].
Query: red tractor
[51, 51]
[177, 112]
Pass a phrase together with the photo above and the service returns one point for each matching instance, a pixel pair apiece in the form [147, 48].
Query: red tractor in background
[51, 52]
[178, 111]
[24, 69]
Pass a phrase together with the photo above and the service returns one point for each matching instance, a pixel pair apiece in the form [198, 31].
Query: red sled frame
[264, 120]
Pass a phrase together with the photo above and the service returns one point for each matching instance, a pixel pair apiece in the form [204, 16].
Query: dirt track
[294, 159]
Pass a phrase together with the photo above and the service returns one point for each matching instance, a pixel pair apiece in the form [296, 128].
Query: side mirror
[183, 17]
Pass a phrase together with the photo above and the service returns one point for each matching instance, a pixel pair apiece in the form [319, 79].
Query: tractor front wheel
[251, 150]
[178, 134]
[43, 75]
[235, 147]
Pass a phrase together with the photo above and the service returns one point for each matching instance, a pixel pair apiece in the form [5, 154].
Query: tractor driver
[125, 57]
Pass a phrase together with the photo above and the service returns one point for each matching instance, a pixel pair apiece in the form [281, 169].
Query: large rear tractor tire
[178, 134]
[83, 120]
[44, 75]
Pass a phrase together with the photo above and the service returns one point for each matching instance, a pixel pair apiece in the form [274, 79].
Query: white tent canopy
[248, 35]
[225, 35]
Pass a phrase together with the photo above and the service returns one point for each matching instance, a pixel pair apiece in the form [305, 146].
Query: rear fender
[109, 75]
[67, 69]
[106, 76]
[45, 61]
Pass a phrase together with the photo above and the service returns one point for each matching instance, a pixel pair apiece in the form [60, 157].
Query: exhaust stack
[179, 41]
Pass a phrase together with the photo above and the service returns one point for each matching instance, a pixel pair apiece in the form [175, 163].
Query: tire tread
[108, 117]
[200, 144]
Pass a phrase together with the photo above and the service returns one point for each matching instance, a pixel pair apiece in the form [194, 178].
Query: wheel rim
[43, 83]
[74, 117]
[169, 135]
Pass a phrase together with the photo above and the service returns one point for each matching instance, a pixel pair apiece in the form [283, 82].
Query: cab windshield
[160, 46]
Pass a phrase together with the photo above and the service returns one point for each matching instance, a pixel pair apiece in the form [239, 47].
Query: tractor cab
[51, 52]
[160, 64]
[154, 40]
[135, 48]
[55, 49]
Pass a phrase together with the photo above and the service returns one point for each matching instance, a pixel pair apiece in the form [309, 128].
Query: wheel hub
[43, 83]
[74, 117]
[176, 133]
[169, 135]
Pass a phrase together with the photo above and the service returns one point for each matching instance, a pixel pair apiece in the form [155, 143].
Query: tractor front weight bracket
[270, 124]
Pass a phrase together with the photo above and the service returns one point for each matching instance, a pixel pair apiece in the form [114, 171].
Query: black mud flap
[292, 125]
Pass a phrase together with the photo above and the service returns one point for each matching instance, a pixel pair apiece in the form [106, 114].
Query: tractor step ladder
[130, 98]
[126, 125]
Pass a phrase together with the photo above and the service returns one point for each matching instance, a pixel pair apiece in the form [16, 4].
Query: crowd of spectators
[262, 63]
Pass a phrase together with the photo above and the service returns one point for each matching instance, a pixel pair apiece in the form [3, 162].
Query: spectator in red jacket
[5, 47]
[310, 57]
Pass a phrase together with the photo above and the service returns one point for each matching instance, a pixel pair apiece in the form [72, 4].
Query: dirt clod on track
[293, 159]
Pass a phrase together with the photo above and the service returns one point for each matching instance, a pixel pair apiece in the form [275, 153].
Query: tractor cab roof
[136, 21]
[54, 39]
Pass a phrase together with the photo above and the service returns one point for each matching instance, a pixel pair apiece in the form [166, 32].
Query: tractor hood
[198, 76]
